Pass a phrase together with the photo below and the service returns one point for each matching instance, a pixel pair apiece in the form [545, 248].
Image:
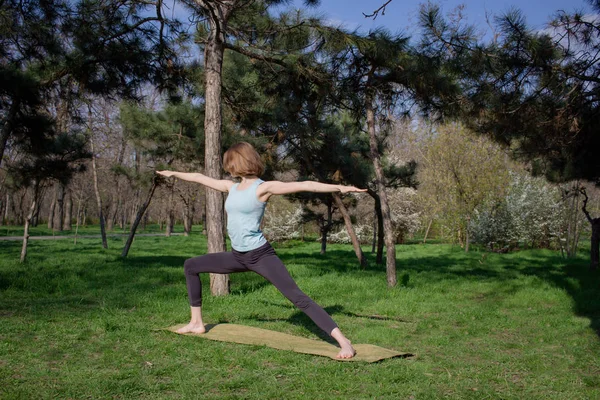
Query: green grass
[80, 322]
[42, 230]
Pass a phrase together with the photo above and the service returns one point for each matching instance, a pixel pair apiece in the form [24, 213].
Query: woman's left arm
[270, 188]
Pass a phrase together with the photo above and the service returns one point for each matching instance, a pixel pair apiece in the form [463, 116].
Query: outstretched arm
[221, 185]
[270, 188]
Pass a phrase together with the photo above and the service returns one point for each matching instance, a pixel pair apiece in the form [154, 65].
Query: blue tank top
[244, 215]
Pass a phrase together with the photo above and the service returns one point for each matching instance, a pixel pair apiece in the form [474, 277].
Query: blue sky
[402, 15]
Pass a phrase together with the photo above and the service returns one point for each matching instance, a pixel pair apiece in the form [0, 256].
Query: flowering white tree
[531, 214]
[406, 218]
[281, 223]
[363, 232]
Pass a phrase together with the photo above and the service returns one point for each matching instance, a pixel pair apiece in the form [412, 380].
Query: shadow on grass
[571, 275]
[153, 261]
[577, 280]
[298, 318]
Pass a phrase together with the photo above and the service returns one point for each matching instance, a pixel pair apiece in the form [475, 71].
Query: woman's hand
[351, 189]
[166, 173]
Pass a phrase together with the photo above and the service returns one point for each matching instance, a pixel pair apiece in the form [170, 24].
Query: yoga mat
[262, 337]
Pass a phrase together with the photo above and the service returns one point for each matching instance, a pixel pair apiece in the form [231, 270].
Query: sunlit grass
[78, 321]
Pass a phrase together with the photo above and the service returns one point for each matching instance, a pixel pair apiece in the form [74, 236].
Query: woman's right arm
[221, 185]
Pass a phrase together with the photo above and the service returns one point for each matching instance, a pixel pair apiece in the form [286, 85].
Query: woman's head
[242, 160]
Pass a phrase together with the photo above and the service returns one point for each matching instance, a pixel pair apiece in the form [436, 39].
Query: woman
[245, 208]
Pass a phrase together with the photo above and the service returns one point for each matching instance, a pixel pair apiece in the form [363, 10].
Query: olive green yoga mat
[282, 341]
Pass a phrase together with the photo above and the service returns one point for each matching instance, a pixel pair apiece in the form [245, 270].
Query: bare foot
[347, 351]
[192, 327]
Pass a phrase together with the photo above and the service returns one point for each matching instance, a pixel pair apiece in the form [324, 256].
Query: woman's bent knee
[188, 266]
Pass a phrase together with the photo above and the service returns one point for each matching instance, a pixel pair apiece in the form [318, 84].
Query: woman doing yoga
[245, 206]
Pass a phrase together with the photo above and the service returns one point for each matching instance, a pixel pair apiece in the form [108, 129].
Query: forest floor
[78, 321]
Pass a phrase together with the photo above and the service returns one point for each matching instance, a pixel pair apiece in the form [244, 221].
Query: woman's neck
[249, 178]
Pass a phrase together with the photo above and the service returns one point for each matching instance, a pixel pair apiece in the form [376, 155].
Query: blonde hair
[242, 160]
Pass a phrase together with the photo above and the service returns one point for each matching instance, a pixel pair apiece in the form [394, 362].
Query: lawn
[42, 230]
[79, 322]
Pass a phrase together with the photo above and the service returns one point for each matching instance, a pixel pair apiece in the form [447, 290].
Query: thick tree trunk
[348, 222]
[213, 63]
[380, 183]
[68, 223]
[51, 211]
[28, 221]
[98, 197]
[138, 218]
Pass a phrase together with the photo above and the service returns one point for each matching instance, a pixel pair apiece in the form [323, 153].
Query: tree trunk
[115, 205]
[51, 211]
[467, 237]
[7, 209]
[213, 63]
[348, 222]
[78, 219]
[98, 197]
[68, 223]
[188, 217]
[60, 207]
[324, 232]
[8, 127]
[28, 221]
[380, 233]
[138, 217]
[113, 210]
[326, 227]
[595, 243]
[374, 242]
[36, 213]
[170, 212]
[427, 230]
[595, 240]
[388, 232]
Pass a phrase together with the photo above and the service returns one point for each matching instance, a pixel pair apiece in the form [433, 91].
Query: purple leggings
[263, 261]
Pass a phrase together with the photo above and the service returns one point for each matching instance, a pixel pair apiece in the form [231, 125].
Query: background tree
[463, 171]
[56, 157]
[99, 48]
[535, 92]
[162, 137]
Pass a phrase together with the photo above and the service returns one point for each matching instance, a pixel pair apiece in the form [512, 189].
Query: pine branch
[381, 9]
[253, 55]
